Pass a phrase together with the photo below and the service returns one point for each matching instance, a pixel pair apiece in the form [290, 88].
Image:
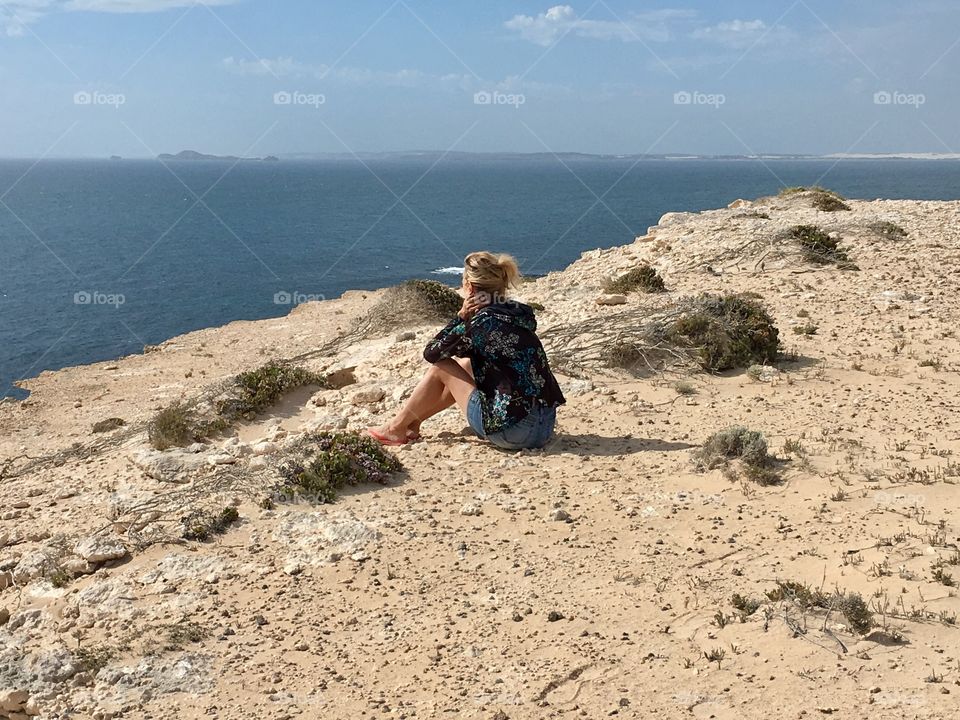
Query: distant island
[194, 155]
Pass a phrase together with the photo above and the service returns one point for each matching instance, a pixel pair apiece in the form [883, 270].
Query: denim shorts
[532, 432]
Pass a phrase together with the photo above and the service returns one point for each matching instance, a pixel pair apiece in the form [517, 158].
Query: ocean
[99, 258]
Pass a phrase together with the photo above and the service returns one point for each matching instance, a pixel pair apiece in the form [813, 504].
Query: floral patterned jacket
[509, 364]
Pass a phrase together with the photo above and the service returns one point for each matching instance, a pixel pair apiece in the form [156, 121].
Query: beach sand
[592, 579]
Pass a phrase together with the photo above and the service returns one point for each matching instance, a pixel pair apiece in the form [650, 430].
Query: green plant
[734, 443]
[203, 524]
[798, 592]
[931, 363]
[441, 298]
[715, 655]
[255, 390]
[644, 278]
[744, 606]
[183, 633]
[323, 463]
[817, 246]
[827, 200]
[793, 447]
[94, 658]
[108, 425]
[855, 611]
[727, 331]
[939, 574]
[685, 387]
[821, 198]
[173, 426]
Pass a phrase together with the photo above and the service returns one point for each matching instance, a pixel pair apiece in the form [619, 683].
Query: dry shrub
[415, 302]
[174, 426]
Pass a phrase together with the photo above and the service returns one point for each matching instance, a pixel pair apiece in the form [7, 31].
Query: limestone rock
[98, 549]
[368, 396]
[169, 466]
[612, 300]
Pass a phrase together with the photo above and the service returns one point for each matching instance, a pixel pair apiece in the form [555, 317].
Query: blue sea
[99, 258]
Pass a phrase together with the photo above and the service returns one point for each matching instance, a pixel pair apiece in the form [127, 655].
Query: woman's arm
[452, 341]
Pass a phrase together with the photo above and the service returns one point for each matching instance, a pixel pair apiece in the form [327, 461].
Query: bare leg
[446, 382]
[445, 401]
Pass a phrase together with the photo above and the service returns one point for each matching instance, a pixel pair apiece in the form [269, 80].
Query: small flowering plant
[322, 463]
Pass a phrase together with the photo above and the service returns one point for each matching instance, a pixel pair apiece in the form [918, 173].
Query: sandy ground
[590, 579]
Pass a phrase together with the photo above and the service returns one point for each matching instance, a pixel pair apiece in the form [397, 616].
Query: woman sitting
[489, 361]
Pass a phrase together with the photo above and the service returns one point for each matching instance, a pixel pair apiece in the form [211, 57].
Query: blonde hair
[491, 273]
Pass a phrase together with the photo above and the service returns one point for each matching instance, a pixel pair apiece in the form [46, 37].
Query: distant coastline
[193, 155]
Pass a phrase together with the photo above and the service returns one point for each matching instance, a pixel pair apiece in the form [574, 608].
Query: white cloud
[15, 15]
[548, 27]
[740, 34]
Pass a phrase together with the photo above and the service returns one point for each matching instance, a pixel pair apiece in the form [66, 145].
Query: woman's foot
[385, 436]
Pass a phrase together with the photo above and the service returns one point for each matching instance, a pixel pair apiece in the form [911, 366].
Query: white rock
[258, 462]
[98, 548]
[223, 459]
[169, 466]
[612, 300]
[471, 510]
[368, 396]
[292, 567]
[266, 448]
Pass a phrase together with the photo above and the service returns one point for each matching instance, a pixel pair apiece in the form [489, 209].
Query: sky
[93, 78]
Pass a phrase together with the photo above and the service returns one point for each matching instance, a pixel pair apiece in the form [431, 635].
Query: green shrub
[442, 299]
[849, 604]
[203, 524]
[820, 197]
[256, 390]
[855, 611]
[817, 246]
[323, 463]
[807, 328]
[827, 201]
[728, 331]
[733, 443]
[644, 278]
[174, 426]
[744, 606]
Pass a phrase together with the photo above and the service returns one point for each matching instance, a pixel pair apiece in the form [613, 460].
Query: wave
[448, 271]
